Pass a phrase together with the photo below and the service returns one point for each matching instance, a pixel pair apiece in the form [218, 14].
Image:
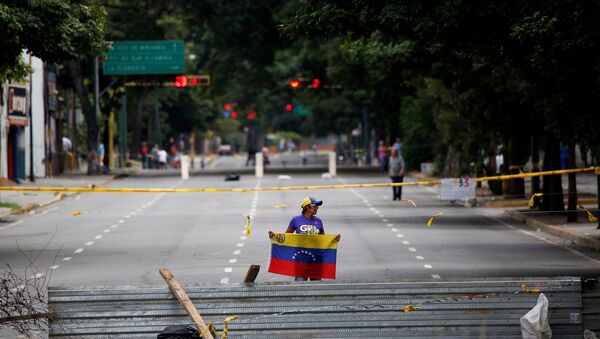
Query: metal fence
[465, 308]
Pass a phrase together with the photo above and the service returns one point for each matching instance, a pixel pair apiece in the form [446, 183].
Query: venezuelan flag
[303, 255]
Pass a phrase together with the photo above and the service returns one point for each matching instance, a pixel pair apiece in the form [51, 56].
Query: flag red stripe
[300, 269]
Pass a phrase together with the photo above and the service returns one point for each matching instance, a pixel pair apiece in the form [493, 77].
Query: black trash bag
[179, 332]
[232, 177]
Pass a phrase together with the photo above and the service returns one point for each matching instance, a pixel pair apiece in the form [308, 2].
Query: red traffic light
[294, 83]
[316, 83]
[234, 114]
[289, 107]
[227, 106]
[251, 115]
[181, 81]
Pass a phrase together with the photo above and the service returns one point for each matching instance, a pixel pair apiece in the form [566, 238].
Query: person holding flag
[301, 256]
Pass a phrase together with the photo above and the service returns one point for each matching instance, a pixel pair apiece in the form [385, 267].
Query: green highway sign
[145, 57]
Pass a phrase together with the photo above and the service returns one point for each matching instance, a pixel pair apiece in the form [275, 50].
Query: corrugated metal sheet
[590, 297]
[450, 308]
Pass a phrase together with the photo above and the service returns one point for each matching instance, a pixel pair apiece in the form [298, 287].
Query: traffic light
[192, 81]
[294, 83]
[234, 114]
[251, 115]
[181, 81]
[315, 84]
[227, 106]
[289, 107]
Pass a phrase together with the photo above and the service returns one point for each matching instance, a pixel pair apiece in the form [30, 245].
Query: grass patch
[10, 205]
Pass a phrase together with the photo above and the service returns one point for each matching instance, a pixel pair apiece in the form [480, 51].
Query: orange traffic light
[294, 83]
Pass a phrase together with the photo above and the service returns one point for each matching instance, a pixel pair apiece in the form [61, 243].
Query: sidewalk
[32, 200]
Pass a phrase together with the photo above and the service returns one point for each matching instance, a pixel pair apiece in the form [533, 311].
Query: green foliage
[54, 30]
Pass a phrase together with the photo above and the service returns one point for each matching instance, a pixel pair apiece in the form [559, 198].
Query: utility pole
[31, 175]
[365, 112]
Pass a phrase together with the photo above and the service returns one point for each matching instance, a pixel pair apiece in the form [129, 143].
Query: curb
[60, 196]
[525, 203]
[555, 230]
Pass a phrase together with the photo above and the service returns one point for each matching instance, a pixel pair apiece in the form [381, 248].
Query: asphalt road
[123, 239]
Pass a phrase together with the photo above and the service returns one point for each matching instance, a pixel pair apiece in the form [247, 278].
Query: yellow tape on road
[291, 188]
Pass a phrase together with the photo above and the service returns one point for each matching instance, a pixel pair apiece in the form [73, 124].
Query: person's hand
[337, 237]
[271, 234]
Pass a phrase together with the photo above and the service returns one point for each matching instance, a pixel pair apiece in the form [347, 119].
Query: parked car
[224, 150]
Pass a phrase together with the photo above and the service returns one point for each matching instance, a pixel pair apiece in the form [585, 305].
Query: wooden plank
[252, 273]
[185, 301]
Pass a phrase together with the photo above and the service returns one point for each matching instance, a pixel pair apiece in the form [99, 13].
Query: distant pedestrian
[144, 154]
[162, 159]
[382, 156]
[154, 155]
[101, 153]
[398, 146]
[396, 173]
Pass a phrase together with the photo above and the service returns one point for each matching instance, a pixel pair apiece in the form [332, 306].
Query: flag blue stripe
[305, 255]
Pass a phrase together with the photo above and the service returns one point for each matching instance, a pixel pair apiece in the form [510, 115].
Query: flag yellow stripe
[322, 241]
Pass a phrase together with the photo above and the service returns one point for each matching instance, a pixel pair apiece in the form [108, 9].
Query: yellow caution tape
[410, 201]
[432, 218]
[92, 188]
[248, 225]
[410, 308]
[531, 201]
[211, 328]
[281, 206]
[76, 213]
[527, 290]
[225, 323]
[591, 217]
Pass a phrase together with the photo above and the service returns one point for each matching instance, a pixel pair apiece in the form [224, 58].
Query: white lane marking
[89, 243]
[228, 269]
[381, 215]
[11, 225]
[435, 276]
[224, 280]
[53, 267]
[239, 244]
[390, 225]
[385, 197]
[237, 252]
[106, 230]
[232, 261]
[394, 229]
[133, 213]
[428, 266]
[384, 220]
[373, 209]
[121, 221]
[243, 237]
[574, 251]
[114, 226]
[127, 216]
[66, 258]
[400, 235]
[79, 250]
[420, 257]
[412, 249]
[98, 236]
[406, 242]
